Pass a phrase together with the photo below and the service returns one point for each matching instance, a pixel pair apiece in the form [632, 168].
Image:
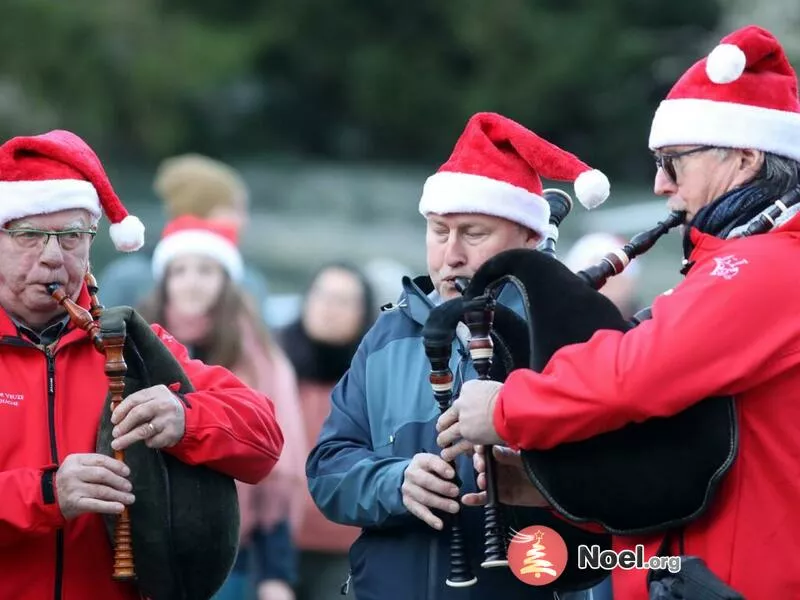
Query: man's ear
[751, 161]
[532, 238]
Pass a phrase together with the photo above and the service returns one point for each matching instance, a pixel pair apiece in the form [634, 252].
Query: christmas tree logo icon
[535, 559]
[537, 555]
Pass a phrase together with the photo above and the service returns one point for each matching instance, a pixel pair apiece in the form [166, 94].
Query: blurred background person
[197, 269]
[337, 310]
[189, 184]
[623, 289]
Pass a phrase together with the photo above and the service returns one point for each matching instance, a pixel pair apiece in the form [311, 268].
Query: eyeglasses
[33, 239]
[666, 160]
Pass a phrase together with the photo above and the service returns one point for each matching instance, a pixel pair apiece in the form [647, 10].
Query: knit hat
[192, 235]
[742, 95]
[58, 171]
[193, 184]
[495, 169]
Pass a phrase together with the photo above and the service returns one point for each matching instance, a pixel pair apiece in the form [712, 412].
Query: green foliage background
[354, 80]
[337, 110]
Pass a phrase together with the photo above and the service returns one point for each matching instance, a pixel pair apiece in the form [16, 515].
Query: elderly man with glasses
[55, 486]
[727, 146]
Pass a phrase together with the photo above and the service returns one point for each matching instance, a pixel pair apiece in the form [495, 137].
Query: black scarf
[315, 361]
[728, 212]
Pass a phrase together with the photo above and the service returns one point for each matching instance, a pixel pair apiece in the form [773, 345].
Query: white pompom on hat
[58, 171]
[496, 169]
[742, 95]
[725, 64]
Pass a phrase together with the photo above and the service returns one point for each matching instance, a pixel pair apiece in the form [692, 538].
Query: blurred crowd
[292, 347]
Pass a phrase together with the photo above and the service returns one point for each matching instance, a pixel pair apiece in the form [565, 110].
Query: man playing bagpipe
[185, 431]
[376, 463]
[727, 146]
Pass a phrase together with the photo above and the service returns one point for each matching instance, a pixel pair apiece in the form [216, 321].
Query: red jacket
[732, 326]
[50, 405]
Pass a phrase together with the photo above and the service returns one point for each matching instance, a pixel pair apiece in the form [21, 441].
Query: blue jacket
[382, 414]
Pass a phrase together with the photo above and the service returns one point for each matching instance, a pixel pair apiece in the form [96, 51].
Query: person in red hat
[376, 465]
[199, 298]
[56, 487]
[727, 148]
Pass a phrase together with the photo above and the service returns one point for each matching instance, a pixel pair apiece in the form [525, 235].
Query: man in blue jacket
[376, 464]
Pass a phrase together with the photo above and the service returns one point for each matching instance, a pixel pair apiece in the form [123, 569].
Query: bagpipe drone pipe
[645, 477]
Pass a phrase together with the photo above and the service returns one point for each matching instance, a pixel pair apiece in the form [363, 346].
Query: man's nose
[663, 185]
[454, 255]
[52, 253]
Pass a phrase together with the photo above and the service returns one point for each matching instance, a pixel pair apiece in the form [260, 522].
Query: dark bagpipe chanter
[651, 477]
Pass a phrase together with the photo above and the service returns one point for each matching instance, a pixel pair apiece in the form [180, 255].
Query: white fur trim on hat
[725, 64]
[20, 199]
[725, 124]
[128, 234]
[447, 193]
[198, 241]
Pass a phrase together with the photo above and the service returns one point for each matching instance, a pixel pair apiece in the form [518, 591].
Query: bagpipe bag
[645, 477]
[185, 520]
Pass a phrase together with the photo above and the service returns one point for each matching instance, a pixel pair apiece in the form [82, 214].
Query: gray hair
[778, 175]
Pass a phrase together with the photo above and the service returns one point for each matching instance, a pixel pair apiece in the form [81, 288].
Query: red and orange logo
[537, 555]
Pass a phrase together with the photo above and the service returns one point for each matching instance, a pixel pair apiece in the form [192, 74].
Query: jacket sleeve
[229, 427]
[711, 336]
[348, 481]
[29, 504]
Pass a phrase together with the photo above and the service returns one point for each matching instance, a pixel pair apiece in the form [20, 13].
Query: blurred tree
[377, 80]
[386, 80]
[122, 73]
[781, 17]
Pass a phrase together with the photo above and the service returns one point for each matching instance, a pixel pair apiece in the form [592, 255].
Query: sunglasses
[666, 160]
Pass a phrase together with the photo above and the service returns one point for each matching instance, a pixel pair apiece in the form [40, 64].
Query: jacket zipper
[51, 417]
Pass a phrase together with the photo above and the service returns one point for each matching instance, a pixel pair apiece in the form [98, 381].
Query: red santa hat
[58, 171]
[189, 234]
[496, 169]
[742, 95]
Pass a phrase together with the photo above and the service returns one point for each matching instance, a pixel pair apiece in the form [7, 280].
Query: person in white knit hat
[199, 298]
[727, 145]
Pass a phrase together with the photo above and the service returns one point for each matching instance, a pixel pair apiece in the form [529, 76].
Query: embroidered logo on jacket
[10, 399]
[727, 266]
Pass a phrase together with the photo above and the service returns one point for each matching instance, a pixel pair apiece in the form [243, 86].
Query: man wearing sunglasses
[727, 145]
[56, 488]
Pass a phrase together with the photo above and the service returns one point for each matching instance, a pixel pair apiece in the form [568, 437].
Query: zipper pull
[51, 379]
[345, 589]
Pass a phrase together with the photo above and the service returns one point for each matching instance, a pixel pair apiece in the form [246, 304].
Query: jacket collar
[709, 242]
[419, 297]
[704, 243]
[70, 333]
